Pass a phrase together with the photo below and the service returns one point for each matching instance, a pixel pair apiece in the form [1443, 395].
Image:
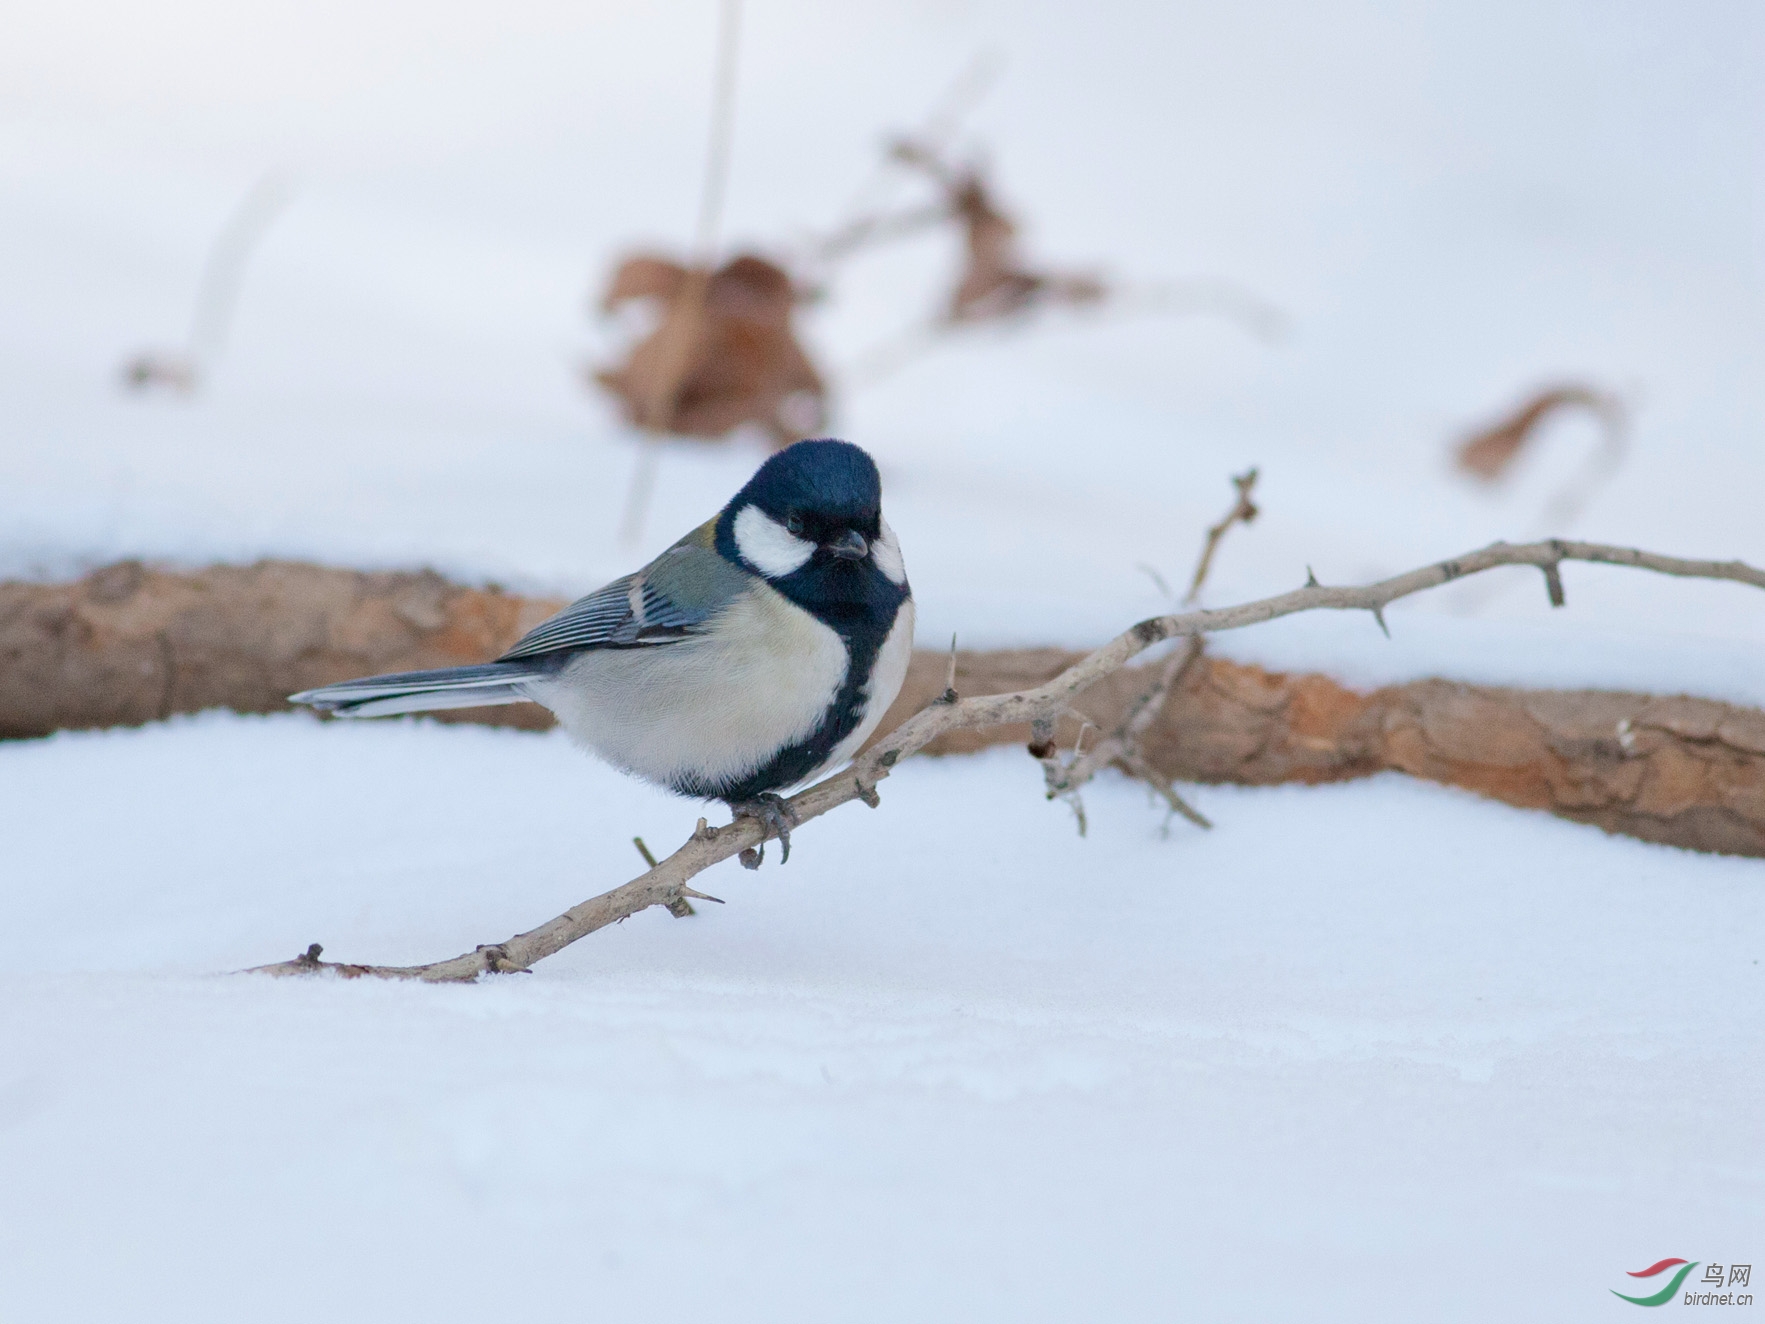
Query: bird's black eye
[793, 524]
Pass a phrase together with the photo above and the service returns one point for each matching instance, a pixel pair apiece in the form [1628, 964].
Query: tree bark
[130, 644]
[1682, 771]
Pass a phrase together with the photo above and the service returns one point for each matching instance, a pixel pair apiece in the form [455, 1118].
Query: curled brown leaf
[724, 351]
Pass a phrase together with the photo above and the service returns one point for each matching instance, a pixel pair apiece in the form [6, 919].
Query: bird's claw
[774, 815]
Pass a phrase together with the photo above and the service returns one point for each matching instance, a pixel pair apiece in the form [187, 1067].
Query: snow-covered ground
[1369, 1052]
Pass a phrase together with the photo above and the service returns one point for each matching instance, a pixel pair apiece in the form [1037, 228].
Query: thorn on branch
[949, 695]
[1311, 580]
[1553, 583]
[680, 907]
[1379, 615]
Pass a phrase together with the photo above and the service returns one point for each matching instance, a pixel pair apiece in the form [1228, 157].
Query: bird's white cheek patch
[886, 552]
[768, 546]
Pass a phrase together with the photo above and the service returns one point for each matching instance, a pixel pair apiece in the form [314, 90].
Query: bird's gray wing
[670, 599]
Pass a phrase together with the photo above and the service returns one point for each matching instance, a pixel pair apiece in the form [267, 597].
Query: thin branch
[1243, 511]
[863, 221]
[224, 270]
[668, 881]
[729, 23]
[217, 293]
[867, 230]
[1138, 767]
[643, 482]
[1122, 747]
[681, 328]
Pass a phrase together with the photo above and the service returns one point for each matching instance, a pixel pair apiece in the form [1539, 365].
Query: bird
[758, 652]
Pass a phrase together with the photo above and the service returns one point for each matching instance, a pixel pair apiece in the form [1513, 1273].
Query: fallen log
[129, 644]
[1682, 771]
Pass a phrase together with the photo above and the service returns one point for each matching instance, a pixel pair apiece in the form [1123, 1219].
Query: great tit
[756, 653]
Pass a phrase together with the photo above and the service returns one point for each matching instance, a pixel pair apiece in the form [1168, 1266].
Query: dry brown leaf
[1489, 453]
[724, 352]
[996, 282]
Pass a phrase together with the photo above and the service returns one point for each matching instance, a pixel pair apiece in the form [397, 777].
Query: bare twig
[729, 28]
[1122, 747]
[637, 494]
[681, 327]
[864, 223]
[1137, 765]
[217, 294]
[1039, 706]
[1243, 511]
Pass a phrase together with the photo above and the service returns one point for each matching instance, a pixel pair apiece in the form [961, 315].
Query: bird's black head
[810, 521]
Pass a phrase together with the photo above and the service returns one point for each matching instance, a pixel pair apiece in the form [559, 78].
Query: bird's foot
[774, 815]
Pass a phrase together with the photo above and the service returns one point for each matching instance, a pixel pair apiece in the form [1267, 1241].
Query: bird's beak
[849, 546]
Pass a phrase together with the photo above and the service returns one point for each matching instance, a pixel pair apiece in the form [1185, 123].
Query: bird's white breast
[886, 678]
[711, 707]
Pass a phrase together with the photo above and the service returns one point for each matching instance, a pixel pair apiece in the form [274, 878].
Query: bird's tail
[424, 691]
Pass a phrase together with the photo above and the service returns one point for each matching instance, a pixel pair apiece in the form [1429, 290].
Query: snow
[1359, 1047]
[1370, 1051]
